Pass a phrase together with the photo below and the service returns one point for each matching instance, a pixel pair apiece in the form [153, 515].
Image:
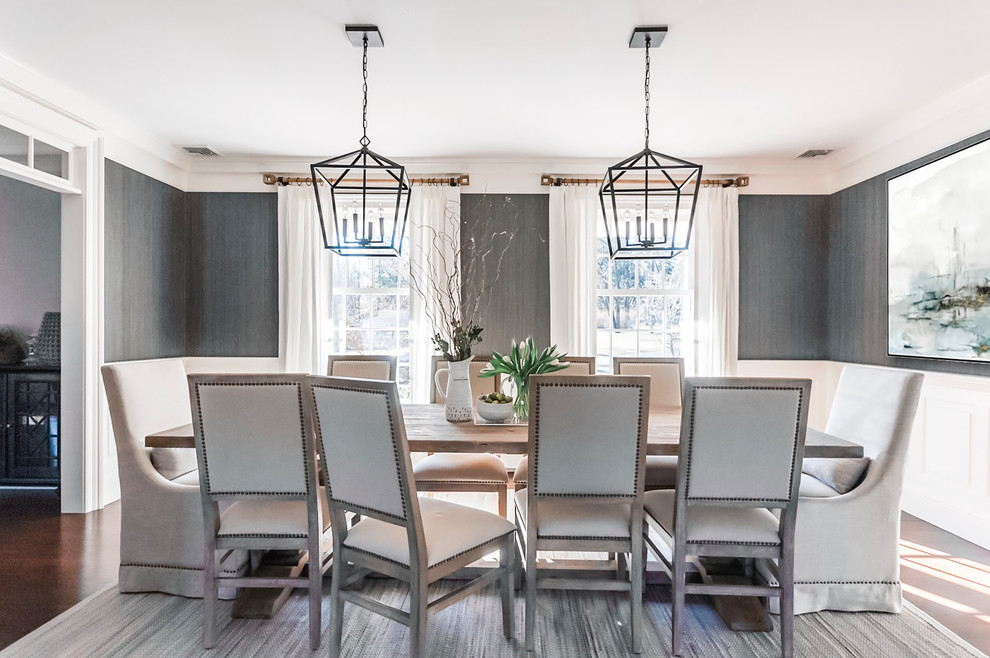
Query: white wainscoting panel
[948, 477]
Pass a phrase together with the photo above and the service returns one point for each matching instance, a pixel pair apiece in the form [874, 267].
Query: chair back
[362, 366]
[587, 435]
[666, 377]
[361, 439]
[479, 385]
[742, 440]
[251, 436]
[144, 397]
[580, 365]
[875, 408]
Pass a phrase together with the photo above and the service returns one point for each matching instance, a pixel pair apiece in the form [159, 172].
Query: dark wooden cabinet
[30, 450]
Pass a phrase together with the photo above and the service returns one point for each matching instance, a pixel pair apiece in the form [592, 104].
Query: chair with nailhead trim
[587, 441]
[256, 452]
[361, 437]
[742, 442]
[666, 386]
[579, 365]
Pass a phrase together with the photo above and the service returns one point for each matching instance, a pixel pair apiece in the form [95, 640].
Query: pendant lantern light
[648, 200]
[368, 193]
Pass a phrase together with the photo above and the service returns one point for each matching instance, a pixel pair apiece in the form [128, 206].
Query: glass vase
[520, 405]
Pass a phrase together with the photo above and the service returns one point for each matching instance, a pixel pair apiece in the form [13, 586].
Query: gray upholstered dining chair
[846, 553]
[256, 452]
[361, 435]
[161, 512]
[575, 422]
[742, 441]
[362, 366]
[475, 472]
[666, 386]
[579, 365]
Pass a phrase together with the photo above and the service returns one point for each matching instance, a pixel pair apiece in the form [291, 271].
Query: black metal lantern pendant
[648, 200]
[369, 193]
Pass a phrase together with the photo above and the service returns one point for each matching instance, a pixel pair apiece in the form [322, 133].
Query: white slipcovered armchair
[161, 518]
[846, 545]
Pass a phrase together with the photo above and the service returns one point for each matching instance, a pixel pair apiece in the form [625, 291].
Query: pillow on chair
[842, 474]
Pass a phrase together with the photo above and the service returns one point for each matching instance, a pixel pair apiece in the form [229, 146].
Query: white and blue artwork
[938, 258]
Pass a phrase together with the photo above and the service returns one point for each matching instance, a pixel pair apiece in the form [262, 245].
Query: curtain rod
[557, 181]
[453, 180]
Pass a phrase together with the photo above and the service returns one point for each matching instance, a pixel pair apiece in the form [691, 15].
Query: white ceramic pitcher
[458, 399]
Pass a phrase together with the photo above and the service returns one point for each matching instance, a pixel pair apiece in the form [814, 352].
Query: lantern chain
[364, 106]
[646, 86]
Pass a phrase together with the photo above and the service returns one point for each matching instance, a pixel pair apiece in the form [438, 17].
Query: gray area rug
[569, 625]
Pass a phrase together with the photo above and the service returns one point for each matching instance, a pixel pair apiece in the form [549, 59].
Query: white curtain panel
[574, 215]
[434, 230]
[305, 282]
[715, 259]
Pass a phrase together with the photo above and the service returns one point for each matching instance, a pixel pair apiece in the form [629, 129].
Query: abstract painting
[938, 258]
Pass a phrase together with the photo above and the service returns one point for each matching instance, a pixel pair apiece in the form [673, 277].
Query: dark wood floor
[50, 561]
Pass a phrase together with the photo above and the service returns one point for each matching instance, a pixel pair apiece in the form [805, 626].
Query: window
[644, 307]
[370, 312]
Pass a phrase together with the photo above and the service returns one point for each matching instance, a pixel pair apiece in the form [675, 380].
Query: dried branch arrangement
[454, 319]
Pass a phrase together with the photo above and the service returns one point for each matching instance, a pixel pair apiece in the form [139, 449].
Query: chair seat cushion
[812, 487]
[715, 525]
[841, 474]
[449, 529]
[578, 519]
[460, 467]
[173, 462]
[266, 518]
[521, 474]
[661, 471]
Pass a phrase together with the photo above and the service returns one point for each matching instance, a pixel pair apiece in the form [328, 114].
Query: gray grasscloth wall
[146, 240]
[781, 258]
[188, 274]
[232, 294]
[30, 254]
[518, 304]
[783, 247]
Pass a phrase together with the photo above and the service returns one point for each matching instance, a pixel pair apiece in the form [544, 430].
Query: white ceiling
[505, 78]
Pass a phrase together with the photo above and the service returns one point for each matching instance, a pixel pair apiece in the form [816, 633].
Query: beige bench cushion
[449, 529]
[461, 467]
[715, 525]
[578, 519]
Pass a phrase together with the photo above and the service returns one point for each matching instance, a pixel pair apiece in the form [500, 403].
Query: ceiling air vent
[815, 153]
[204, 151]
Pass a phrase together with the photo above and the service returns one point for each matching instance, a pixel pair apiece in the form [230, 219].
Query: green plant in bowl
[523, 360]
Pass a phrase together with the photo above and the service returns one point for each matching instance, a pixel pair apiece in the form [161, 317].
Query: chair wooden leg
[507, 561]
[337, 575]
[503, 501]
[417, 615]
[209, 595]
[636, 596]
[620, 567]
[315, 594]
[786, 607]
[530, 596]
[677, 603]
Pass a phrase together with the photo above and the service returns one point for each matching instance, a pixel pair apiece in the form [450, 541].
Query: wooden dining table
[427, 430]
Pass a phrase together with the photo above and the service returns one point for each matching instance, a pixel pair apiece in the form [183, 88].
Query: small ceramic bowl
[495, 413]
